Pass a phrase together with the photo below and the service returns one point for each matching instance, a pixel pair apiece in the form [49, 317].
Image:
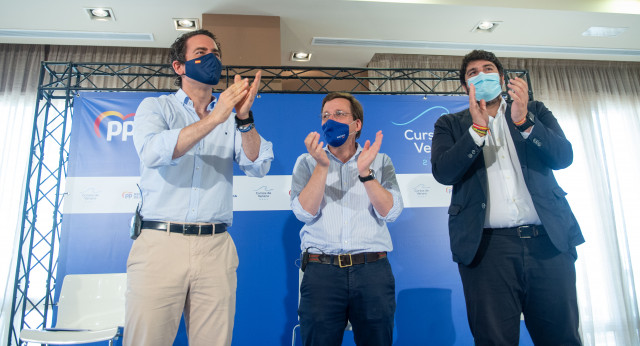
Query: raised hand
[228, 99]
[316, 150]
[478, 109]
[244, 105]
[519, 92]
[368, 154]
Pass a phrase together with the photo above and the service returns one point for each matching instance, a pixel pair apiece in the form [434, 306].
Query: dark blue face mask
[205, 69]
[335, 133]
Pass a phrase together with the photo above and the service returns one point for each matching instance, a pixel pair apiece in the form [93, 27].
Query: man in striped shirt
[345, 194]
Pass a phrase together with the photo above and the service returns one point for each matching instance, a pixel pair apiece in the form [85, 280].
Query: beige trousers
[171, 273]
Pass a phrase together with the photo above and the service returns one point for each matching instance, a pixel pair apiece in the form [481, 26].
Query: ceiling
[541, 28]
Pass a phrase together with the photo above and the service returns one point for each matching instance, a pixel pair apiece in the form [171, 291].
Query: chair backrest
[92, 301]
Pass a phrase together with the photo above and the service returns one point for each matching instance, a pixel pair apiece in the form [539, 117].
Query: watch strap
[243, 122]
[529, 121]
[368, 177]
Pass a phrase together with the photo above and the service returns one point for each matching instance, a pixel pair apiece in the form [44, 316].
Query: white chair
[90, 309]
[293, 334]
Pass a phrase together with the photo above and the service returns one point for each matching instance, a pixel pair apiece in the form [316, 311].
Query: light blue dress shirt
[346, 222]
[196, 187]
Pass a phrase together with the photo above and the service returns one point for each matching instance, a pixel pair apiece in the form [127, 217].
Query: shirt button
[193, 210]
[197, 167]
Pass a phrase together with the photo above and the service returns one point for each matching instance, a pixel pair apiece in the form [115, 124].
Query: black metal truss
[35, 275]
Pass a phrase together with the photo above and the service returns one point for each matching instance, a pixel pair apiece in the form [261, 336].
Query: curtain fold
[19, 78]
[598, 106]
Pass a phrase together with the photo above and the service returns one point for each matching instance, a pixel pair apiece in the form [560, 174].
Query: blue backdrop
[103, 170]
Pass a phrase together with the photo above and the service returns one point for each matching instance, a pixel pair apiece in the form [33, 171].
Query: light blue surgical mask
[487, 85]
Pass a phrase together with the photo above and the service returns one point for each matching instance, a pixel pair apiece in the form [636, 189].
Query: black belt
[526, 231]
[186, 228]
[347, 260]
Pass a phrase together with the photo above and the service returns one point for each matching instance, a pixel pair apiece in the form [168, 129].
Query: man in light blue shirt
[184, 260]
[345, 194]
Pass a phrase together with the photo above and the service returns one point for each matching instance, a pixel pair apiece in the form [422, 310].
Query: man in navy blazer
[511, 229]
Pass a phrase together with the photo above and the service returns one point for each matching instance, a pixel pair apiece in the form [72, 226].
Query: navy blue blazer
[457, 160]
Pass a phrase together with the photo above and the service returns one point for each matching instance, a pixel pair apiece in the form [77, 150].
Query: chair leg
[293, 336]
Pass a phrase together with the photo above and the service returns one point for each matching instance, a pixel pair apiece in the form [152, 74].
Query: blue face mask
[487, 85]
[205, 69]
[335, 133]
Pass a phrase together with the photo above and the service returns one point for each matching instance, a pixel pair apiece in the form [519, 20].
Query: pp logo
[121, 128]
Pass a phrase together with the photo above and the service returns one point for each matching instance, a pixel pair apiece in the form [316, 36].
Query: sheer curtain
[19, 73]
[598, 106]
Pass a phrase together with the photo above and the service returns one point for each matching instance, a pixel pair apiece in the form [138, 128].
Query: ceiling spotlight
[485, 26]
[300, 56]
[102, 14]
[186, 24]
[603, 31]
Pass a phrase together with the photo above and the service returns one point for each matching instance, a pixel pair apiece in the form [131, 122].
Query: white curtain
[598, 106]
[19, 73]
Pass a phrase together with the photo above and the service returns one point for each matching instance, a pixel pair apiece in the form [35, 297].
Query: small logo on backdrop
[421, 190]
[419, 138]
[263, 192]
[117, 129]
[90, 194]
[130, 195]
[448, 189]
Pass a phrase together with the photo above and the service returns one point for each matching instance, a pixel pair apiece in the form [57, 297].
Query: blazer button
[484, 205]
[473, 151]
[470, 156]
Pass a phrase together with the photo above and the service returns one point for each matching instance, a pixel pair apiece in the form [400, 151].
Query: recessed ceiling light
[486, 26]
[603, 31]
[300, 56]
[186, 24]
[100, 13]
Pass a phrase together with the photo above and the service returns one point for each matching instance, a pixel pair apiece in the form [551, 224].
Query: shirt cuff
[476, 137]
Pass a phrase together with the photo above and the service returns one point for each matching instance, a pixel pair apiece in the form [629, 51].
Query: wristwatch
[371, 176]
[530, 121]
[244, 122]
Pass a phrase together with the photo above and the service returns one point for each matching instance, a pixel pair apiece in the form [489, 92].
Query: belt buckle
[534, 232]
[185, 227]
[345, 265]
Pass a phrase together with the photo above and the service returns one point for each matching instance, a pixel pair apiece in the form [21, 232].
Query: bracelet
[480, 130]
[482, 133]
[245, 128]
[521, 122]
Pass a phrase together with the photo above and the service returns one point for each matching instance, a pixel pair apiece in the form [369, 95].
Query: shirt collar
[354, 157]
[183, 98]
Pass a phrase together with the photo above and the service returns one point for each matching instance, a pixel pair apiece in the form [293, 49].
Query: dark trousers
[363, 294]
[510, 276]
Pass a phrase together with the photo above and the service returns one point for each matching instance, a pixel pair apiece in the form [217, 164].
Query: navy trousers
[363, 294]
[510, 276]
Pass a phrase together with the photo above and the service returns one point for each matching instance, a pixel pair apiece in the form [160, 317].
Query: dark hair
[356, 108]
[478, 54]
[178, 48]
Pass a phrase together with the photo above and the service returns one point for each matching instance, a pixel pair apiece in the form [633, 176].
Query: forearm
[311, 196]
[380, 198]
[251, 144]
[192, 134]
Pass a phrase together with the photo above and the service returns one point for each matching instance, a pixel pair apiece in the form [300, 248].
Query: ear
[178, 67]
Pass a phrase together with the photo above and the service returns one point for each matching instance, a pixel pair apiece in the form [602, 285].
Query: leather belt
[525, 231]
[347, 260]
[186, 228]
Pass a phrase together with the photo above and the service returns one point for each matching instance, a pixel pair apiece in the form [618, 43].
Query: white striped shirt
[346, 222]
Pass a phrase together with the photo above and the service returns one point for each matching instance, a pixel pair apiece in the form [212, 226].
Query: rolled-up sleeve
[390, 183]
[299, 179]
[258, 168]
[153, 140]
